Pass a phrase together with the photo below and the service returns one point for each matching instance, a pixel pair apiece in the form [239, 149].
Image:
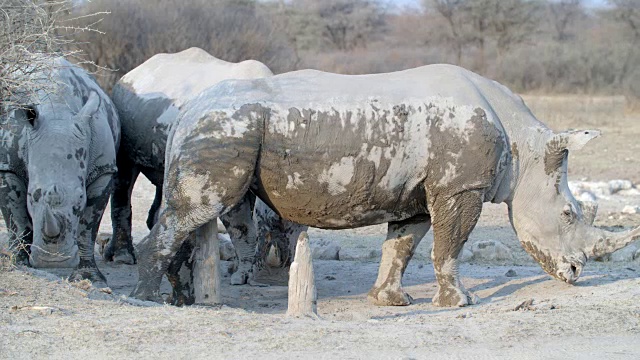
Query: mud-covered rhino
[57, 160]
[412, 148]
[148, 99]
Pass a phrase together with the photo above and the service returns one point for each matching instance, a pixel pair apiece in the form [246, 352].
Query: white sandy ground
[599, 318]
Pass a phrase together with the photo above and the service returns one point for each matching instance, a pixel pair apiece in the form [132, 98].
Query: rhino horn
[606, 242]
[51, 226]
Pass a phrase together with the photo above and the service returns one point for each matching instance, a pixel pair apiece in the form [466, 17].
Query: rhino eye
[568, 214]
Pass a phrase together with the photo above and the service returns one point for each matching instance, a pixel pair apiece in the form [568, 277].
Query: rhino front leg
[242, 231]
[120, 248]
[97, 198]
[402, 239]
[13, 204]
[453, 220]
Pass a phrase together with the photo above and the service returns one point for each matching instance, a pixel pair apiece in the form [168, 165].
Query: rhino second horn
[606, 242]
[51, 226]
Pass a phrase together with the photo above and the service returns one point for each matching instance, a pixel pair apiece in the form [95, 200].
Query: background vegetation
[533, 46]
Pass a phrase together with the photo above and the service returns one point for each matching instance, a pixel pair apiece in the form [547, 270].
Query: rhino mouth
[41, 258]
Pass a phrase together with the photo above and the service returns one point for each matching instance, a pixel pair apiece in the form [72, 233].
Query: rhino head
[554, 228]
[57, 156]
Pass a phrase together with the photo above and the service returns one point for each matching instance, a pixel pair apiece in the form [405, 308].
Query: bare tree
[228, 29]
[451, 10]
[511, 22]
[32, 34]
[345, 24]
[627, 13]
[563, 13]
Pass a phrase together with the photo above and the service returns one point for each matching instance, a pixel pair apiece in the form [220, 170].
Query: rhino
[57, 160]
[148, 99]
[412, 148]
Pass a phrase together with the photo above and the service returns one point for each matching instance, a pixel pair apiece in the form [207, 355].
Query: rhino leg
[274, 231]
[402, 239]
[180, 275]
[13, 204]
[97, 199]
[453, 218]
[242, 231]
[120, 248]
[152, 217]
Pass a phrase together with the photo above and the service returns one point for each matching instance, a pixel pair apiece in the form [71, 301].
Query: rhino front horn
[606, 242]
[51, 226]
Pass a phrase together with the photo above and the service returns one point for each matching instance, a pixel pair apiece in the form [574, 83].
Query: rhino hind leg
[180, 275]
[13, 204]
[453, 220]
[152, 217]
[242, 231]
[402, 239]
[97, 198]
[120, 248]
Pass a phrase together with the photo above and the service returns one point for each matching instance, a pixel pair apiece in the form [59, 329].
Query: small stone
[329, 277]
[324, 250]
[227, 250]
[465, 255]
[630, 209]
[586, 196]
[511, 273]
[359, 254]
[618, 185]
[490, 250]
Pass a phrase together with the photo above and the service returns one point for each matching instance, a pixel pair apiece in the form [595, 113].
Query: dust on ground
[527, 315]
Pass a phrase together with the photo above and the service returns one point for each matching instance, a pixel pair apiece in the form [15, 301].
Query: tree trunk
[303, 299]
[206, 269]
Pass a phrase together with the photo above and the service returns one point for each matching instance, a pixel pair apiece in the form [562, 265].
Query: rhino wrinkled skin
[57, 160]
[148, 99]
[412, 148]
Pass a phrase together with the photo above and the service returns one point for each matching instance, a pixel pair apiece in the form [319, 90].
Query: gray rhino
[148, 99]
[57, 160]
[413, 148]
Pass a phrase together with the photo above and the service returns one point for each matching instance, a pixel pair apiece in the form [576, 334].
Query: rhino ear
[560, 144]
[90, 107]
[572, 140]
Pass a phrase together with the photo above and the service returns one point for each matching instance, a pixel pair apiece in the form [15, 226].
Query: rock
[102, 240]
[221, 228]
[630, 209]
[625, 254]
[227, 251]
[465, 255]
[629, 192]
[490, 250]
[511, 273]
[324, 250]
[597, 189]
[586, 196]
[618, 185]
[359, 254]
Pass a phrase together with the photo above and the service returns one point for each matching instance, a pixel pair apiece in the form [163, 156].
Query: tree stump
[206, 269]
[303, 300]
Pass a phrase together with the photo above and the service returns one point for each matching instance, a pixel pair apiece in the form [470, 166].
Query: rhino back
[149, 96]
[105, 125]
[342, 151]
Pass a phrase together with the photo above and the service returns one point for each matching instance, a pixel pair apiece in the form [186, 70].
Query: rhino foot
[89, 273]
[239, 277]
[454, 297]
[389, 297]
[120, 256]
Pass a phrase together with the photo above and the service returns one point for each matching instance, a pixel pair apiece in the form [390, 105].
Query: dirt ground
[526, 316]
